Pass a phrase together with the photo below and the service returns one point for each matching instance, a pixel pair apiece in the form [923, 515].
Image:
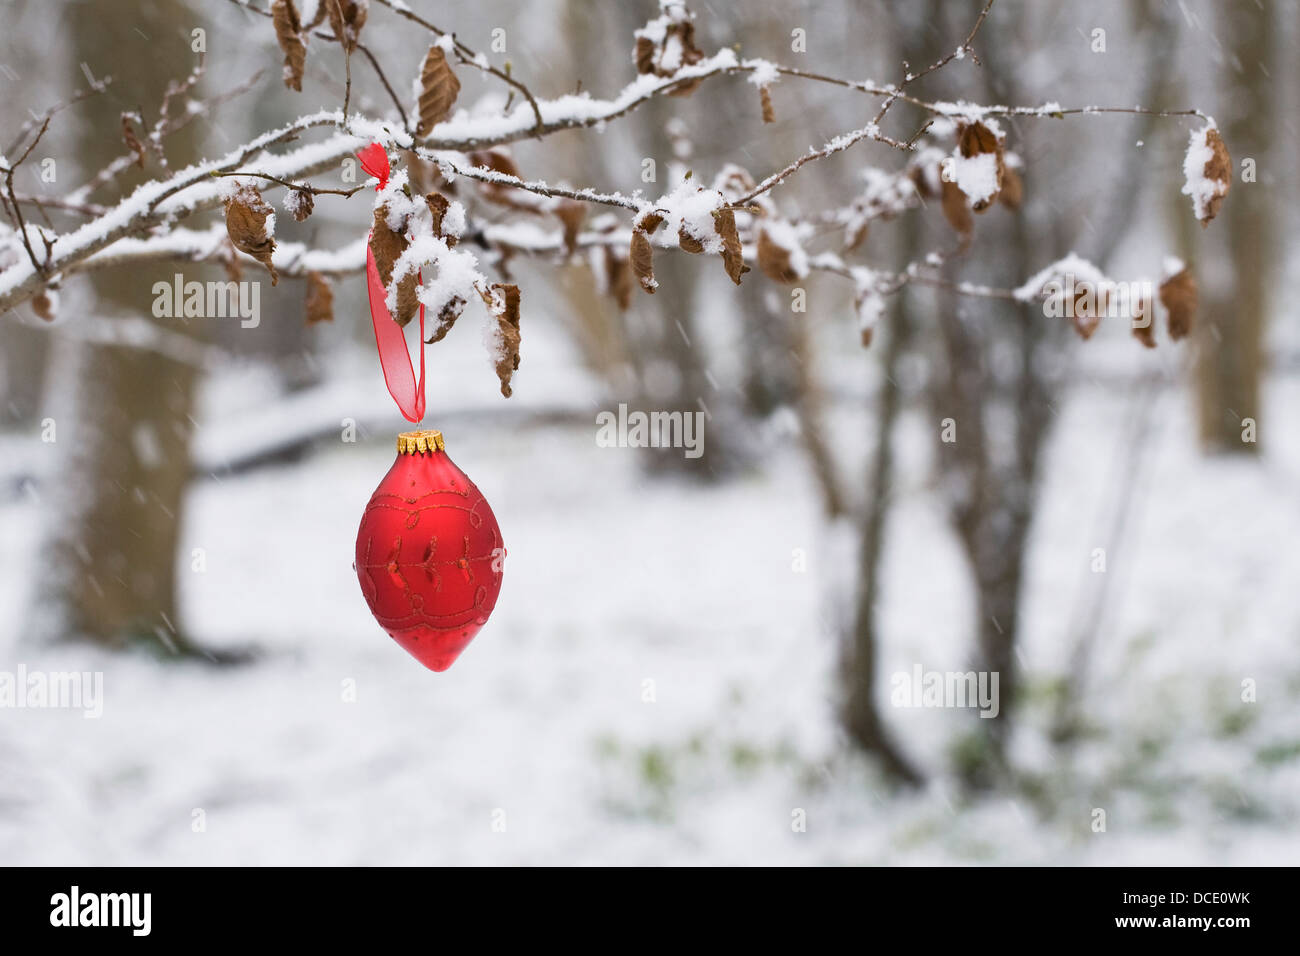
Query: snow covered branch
[733, 218]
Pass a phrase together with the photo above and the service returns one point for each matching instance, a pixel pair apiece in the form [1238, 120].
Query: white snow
[543, 716]
[1196, 184]
[976, 176]
[762, 72]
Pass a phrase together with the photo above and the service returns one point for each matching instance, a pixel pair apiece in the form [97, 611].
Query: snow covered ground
[539, 745]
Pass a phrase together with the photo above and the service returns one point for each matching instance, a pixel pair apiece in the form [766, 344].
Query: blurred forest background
[691, 659]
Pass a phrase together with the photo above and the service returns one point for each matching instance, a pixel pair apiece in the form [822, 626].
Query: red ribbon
[390, 338]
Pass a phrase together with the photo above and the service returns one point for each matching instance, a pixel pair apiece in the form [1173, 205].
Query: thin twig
[299, 187]
[491, 176]
[470, 58]
[347, 65]
[837, 145]
[98, 87]
[406, 123]
[13, 198]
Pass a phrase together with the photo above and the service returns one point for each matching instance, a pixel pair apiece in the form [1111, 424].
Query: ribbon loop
[390, 338]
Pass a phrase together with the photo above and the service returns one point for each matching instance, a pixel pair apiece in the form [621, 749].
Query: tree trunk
[1231, 331]
[859, 713]
[122, 414]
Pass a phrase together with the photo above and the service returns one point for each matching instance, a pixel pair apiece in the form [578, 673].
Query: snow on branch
[439, 246]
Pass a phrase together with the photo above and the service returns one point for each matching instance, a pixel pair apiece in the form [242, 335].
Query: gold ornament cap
[419, 443]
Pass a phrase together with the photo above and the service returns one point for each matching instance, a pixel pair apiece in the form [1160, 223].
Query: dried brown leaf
[289, 34]
[43, 306]
[618, 278]
[976, 139]
[320, 299]
[246, 213]
[446, 318]
[648, 222]
[1088, 308]
[651, 55]
[774, 259]
[641, 257]
[495, 159]
[347, 17]
[387, 247]
[859, 235]
[1013, 189]
[503, 302]
[688, 242]
[571, 214]
[302, 205]
[1144, 312]
[1218, 168]
[644, 55]
[130, 139]
[686, 87]
[724, 222]
[1179, 295]
[956, 210]
[438, 205]
[499, 160]
[438, 90]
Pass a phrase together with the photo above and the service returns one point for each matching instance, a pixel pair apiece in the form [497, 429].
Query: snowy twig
[483, 175]
[300, 187]
[476, 60]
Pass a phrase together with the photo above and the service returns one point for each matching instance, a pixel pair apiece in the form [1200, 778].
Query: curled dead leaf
[1218, 168]
[774, 259]
[688, 242]
[976, 139]
[289, 34]
[503, 302]
[643, 54]
[733, 258]
[130, 139]
[387, 247]
[668, 50]
[858, 235]
[618, 278]
[347, 17]
[1179, 295]
[438, 205]
[1088, 308]
[571, 214]
[499, 160]
[300, 204]
[1013, 189]
[246, 214]
[45, 306]
[956, 210]
[445, 319]
[319, 305]
[438, 90]
[641, 256]
[1144, 324]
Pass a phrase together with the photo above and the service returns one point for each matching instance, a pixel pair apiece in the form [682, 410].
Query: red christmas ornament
[429, 553]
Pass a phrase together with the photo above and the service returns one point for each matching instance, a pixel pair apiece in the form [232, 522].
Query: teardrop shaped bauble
[429, 553]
